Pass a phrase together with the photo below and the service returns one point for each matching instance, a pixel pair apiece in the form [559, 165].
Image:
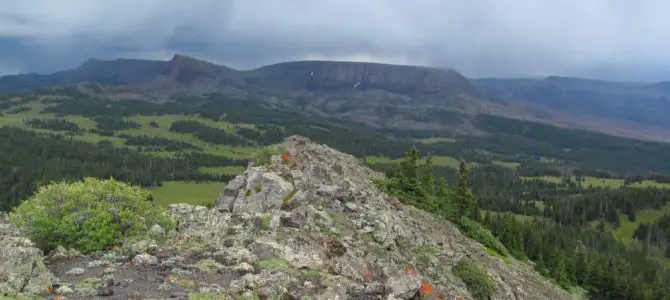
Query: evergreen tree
[464, 197]
[539, 265]
[581, 267]
[427, 179]
[409, 168]
[445, 199]
[442, 188]
[487, 218]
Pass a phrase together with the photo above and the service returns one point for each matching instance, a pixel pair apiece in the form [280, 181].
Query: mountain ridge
[380, 95]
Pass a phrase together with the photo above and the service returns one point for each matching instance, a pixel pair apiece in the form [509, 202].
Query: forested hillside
[557, 242]
[579, 205]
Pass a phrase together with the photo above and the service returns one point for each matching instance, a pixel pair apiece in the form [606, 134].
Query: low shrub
[88, 215]
[477, 281]
[480, 234]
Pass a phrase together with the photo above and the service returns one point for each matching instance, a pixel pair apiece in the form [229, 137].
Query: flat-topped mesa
[404, 79]
[304, 172]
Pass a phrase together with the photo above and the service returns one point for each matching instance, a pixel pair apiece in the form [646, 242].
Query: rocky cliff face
[310, 223]
[328, 75]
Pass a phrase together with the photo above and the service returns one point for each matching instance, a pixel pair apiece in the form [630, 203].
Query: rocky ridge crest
[308, 223]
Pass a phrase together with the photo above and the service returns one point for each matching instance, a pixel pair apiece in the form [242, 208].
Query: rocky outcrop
[21, 266]
[314, 210]
[310, 222]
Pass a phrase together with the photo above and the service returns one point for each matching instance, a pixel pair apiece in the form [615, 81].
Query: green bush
[480, 234]
[88, 215]
[263, 156]
[477, 281]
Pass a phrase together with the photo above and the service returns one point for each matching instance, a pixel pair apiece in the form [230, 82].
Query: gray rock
[157, 230]
[104, 292]
[403, 286]
[75, 271]
[229, 242]
[62, 290]
[144, 259]
[21, 267]
[60, 253]
[243, 268]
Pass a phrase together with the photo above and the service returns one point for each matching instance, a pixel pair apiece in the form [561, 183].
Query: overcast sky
[480, 38]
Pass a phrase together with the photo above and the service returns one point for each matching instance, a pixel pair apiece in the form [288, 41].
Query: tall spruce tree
[464, 198]
[427, 179]
[409, 168]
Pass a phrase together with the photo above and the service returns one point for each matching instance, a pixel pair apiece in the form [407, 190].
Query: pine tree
[445, 199]
[427, 179]
[409, 168]
[442, 188]
[559, 272]
[464, 197]
[581, 267]
[476, 214]
[539, 265]
[487, 218]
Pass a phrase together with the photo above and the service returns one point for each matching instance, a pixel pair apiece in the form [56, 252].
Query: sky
[618, 40]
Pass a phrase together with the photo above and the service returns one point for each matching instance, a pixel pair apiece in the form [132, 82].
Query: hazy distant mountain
[382, 95]
[637, 102]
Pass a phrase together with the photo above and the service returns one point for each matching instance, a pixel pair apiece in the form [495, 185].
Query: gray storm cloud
[476, 37]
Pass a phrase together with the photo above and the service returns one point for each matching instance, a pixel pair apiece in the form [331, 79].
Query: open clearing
[434, 140]
[601, 182]
[172, 192]
[446, 161]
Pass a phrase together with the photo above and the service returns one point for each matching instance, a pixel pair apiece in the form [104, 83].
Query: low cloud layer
[480, 38]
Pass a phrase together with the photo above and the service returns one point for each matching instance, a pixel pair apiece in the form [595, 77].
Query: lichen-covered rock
[315, 213]
[21, 267]
[61, 253]
[144, 259]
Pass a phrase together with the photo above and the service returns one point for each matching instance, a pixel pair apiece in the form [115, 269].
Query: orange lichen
[171, 279]
[367, 273]
[180, 239]
[285, 157]
[426, 289]
[409, 270]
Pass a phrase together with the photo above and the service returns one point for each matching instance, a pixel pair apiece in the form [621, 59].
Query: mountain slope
[316, 226]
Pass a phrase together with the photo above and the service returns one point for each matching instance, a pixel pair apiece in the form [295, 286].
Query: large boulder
[21, 267]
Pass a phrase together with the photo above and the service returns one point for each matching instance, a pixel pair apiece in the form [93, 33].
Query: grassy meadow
[602, 182]
[445, 161]
[169, 192]
[187, 192]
